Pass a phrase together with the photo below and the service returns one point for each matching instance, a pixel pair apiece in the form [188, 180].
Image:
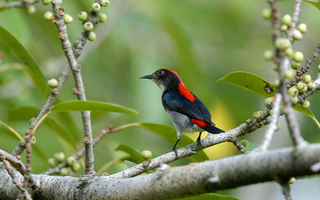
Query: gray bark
[176, 182]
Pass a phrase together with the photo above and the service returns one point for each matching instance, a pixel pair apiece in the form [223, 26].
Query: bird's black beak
[147, 77]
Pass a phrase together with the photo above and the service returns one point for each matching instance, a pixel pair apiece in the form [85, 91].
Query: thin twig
[81, 152]
[19, 4]
[273, 123]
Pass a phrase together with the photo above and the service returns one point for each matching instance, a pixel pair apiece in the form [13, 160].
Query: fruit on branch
[289, 52]
[286, 20]
[105, 3]
[257, 115]
[275, 67]
[268, 55]
[96, 7]
[283, 28]
[92, 36]
[52, 83]
[303, 28]
[245, 143]
[64, 171]
[302, 87]
[305, 104]
[146, 154]
[71, 160]
[295, 65]
[88, 26]
[293, 91]
[297, 35]
[67, 18]
[48, 15]
[298, 56]
[52, 162]
[282, 43]
[311, 85]
[306, 78]
[278, 126]
[276, 83]
[289, 74]
[46, 2]
[102, 17]
[59, 156]
[31, 9]
[294, 100]
[268, 102]
[33, 140]
[75, 167]
[83, 16]
[292, 180]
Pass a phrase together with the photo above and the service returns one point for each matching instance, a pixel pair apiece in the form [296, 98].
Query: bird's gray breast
[182, 122]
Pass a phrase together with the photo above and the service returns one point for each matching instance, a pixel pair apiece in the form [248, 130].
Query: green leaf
[315, 4]
[250, 82]
[93, 106]
[250, 147]
[12, 130]
[210, 196]
[170, 134]
[129, 163]
[135, 155]
[307, 112]
[26, 57]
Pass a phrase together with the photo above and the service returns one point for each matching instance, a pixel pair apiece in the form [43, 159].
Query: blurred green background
[201, 40]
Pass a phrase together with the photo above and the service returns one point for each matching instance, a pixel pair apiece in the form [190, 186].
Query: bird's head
[165, 78]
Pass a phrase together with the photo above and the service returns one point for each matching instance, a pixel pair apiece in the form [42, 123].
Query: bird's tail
[213, 129]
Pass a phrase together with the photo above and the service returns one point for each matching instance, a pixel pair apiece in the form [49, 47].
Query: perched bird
[186, 111]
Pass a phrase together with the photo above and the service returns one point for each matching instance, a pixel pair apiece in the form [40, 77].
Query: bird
[187, 113]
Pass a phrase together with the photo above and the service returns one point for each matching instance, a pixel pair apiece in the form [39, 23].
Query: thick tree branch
[176, 182]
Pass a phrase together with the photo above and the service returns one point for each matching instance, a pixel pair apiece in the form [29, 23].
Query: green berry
[67, 18]
[245, 143]
[52, 162]
[105, 3]
[293, 91]
[277, 83]
[286, 19]
[83, 16]
[146, 154]
[319, 68]
[302, 87]
[295, 65]
[311, 85]
[33, 140]
[48, 15]
[92, 36]
[298, 56]
[283, 28]
[289, 74]
[71, 160]
[46, 2]
[75, 167]
[256, 115]
[306, 78]
[31, 9]
[88, 26]
[294, 100]
[102, 17]
[292, 180]
[64, 171]
[266, 13]
[268, 55]
[275, 67]
[282, 43]
[59, 156]
[278, 126]
[289, 52]
[297, 35]
[52, 83]
[305, 104]
[96, 7]
[268, 102]
[270, 112]
[303, 28]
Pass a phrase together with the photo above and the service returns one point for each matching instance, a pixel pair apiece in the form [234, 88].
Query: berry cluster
[59, 157]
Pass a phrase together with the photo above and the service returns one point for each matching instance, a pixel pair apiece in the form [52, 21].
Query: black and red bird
[187, 113]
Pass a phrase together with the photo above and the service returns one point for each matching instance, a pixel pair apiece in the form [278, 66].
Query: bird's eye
[161, 72]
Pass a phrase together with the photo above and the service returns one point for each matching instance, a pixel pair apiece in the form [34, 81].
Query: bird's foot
[199, 143]
[174, 149]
